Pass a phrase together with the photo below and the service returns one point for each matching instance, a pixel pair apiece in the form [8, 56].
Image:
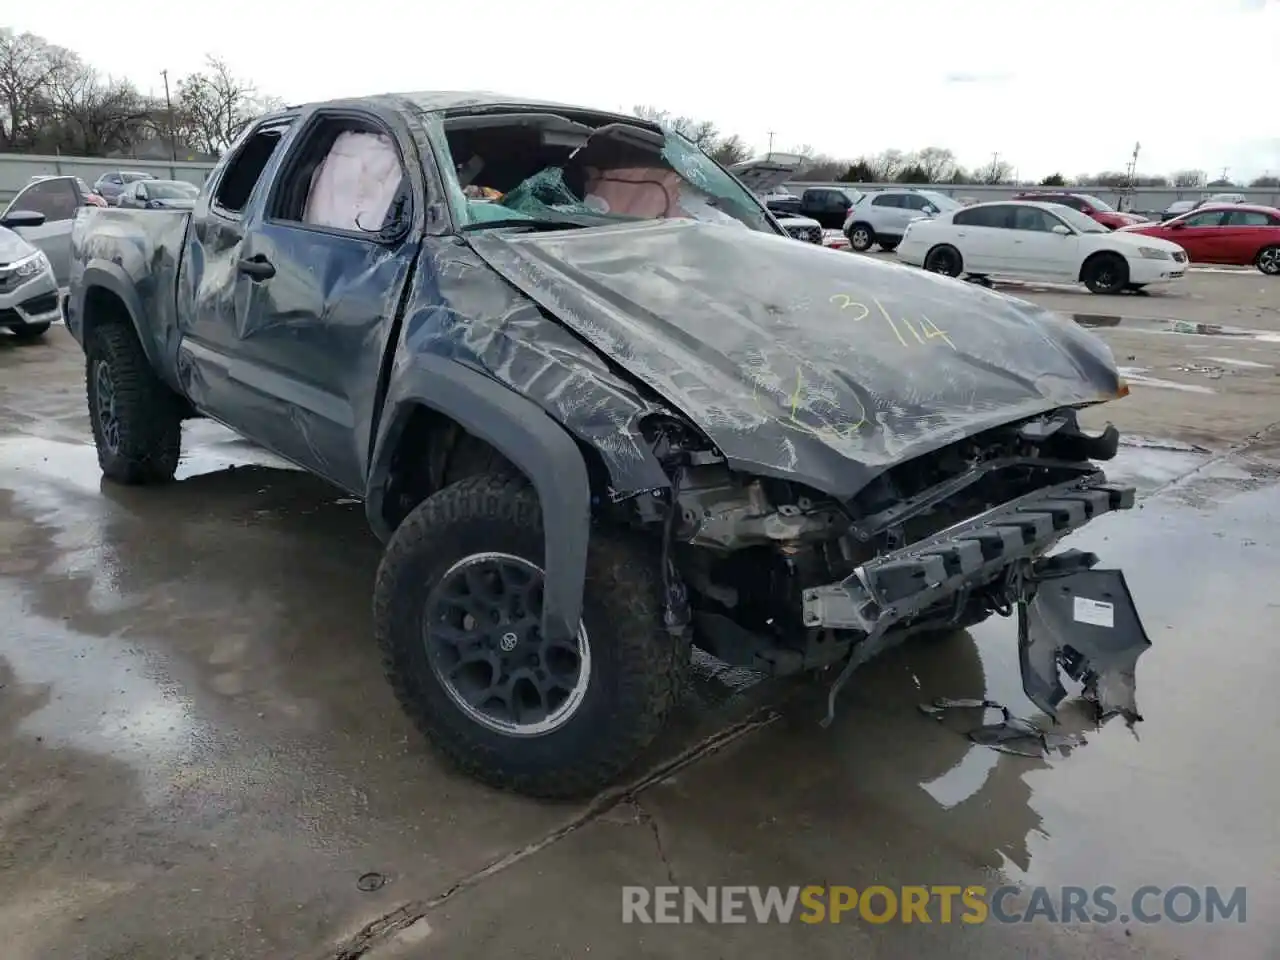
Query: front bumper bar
[895, 587]
[1071, 617]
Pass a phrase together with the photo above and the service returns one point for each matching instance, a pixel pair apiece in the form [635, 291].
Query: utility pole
[1130, 174]
[769, 156]
[1224, 172]
[168, 102]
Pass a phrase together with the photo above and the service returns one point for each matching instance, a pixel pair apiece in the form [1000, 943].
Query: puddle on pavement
[101, 694]
[1161, 325]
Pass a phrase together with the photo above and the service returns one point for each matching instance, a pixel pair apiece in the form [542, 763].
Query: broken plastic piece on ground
[1085, 623]
[1013, 735]
[942, 704]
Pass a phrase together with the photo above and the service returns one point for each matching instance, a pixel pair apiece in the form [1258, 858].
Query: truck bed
[137, 256]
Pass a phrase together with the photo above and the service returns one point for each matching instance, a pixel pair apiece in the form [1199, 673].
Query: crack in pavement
[1234, 450]
[648, 818]
[381, 930]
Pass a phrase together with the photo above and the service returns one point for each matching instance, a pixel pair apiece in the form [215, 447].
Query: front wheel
[1106, 273]
[1269, 261]
[457, 610]
[136, 419]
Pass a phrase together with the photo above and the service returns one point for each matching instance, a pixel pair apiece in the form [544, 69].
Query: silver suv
[882, 217]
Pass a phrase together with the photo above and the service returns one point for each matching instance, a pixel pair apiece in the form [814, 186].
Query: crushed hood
[798, 361]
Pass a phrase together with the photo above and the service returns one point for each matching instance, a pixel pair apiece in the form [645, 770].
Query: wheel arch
[940, 245]
[105, 294]
[1099, 255]
[438, 393]
[1257, 257]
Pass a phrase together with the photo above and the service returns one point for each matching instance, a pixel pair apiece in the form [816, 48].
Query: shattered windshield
[615, 173]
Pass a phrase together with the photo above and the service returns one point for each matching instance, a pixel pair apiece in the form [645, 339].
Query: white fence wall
[17, 169]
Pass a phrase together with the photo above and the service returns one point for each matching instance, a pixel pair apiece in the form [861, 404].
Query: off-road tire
[634, 667]
[30, 331]
[945, 260]
[147, 411]
[861, 237]
[1105, 273]
[1268, 261]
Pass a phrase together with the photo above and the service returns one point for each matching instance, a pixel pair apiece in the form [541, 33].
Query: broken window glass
[616, 173]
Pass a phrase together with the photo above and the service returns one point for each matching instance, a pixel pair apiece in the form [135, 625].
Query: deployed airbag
[354, 185]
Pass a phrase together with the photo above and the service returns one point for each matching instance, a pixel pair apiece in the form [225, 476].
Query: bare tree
[1266, 182]
[997, 171]
[730, 150]
[28, 67]
[726, 150]
[937, 163]
[1185, 179]
[888, 164]
[96, 115]
[215, 106]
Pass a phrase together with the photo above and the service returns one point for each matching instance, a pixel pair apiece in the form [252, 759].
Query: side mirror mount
[22, 218]
[1062, 230]
[1177, 225]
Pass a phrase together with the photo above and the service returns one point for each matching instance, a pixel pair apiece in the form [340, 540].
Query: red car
[1090, 206]
[1241, 234]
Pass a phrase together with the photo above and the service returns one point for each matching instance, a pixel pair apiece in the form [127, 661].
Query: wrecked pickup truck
[602, 409]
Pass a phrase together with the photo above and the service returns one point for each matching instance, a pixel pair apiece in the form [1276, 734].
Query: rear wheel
[457, 611]
[136, 419]
[1269, 261]
[944, 259]
[861, 237]
[1105, 273]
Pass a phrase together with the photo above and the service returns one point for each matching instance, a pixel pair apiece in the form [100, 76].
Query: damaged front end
[781, 578]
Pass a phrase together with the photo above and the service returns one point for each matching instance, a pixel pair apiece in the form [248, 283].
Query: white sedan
[1039, 241]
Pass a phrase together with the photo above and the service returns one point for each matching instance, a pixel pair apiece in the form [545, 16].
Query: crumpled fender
[525, 435]
[110, 276]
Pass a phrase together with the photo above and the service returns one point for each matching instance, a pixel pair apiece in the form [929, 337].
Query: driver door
[1037, 250]
[57, 200]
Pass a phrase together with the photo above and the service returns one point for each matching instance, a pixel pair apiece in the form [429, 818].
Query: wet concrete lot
[199, 756]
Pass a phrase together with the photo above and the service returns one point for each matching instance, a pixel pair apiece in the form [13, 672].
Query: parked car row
[1056, 235]
[56, 200]
[1031, 239]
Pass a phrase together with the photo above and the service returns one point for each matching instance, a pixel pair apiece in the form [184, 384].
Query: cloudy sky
[1064, 87]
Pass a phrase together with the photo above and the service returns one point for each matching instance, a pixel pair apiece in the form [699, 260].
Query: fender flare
[111, 276]
[523, 433]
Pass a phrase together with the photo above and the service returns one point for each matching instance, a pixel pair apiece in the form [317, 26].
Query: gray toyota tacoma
[601, 409]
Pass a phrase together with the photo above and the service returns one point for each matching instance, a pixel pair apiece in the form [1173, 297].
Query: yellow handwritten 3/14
[913, 337]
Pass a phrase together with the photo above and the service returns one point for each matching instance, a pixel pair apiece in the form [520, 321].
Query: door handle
[258, 267]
